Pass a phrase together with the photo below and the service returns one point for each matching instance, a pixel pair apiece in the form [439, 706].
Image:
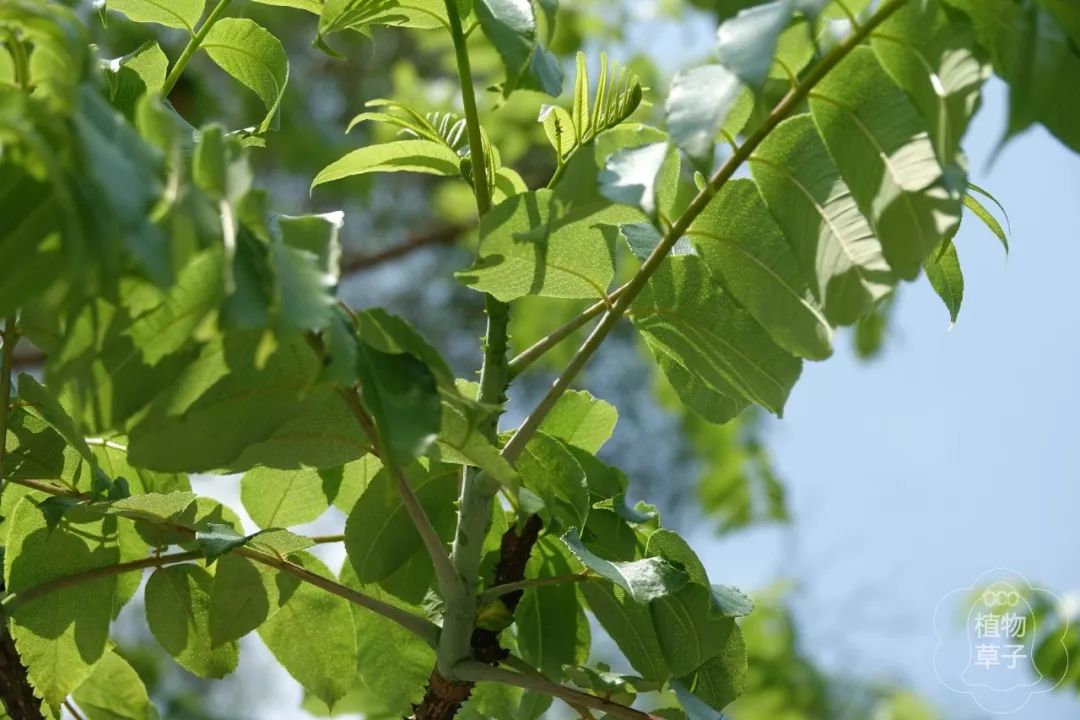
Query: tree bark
[443, 698]
[15, 691]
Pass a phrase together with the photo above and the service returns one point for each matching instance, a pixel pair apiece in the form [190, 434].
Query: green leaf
[987, 219]
[716, 356]
[717, 682]
[581, 420]
[217, 539]
[323, 434]
[549, 469]
[741, 245]
[731, 601]
[1066, 14]
[178, 612]
[224, 412]
[283, 498]
[137, 74]
[931, 55]
[152, 507]
[379, 536]
[305, 291]
[61, 635]
[1046, 64]
[945, 276]
[510, 25]
[689, 631]
[114, 691]
[629, 176]
[38, 397]
[463, 440]
[644, 580]
[420, 156]
[244, 595]
[31, 256]
[323, 662]
[552, 630]
[629, 624]
[254, 57]
[338, 15]
[619, 688]
[37, 452]
[643, 238]
[312, 6]
[183, 14]
[1031, 52]
[396, 678]
[114, 361]
[112, 459]
[318, 235]
[400, 393]
[529, 247]
[746, 43]
[883, 151]
[835, 246]
[697, 106]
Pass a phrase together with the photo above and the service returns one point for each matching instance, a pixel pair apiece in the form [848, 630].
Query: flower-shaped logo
[999, 656]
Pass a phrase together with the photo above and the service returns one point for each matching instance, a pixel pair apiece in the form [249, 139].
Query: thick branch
[781, 112]
[477, 490]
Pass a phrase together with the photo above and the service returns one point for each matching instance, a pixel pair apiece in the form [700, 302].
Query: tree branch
[426, 630]
[442, 236]
[477, 490]
[534, 353]
[479, 672]
[14, 601]
[506, 588]
[513, 448]
[444, 568]
[192, 47]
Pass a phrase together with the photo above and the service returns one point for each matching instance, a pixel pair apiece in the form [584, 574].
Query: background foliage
[168, 301]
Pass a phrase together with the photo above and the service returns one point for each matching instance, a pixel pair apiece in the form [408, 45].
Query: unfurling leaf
[217, 539]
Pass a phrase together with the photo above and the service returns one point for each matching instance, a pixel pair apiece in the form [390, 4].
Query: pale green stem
[193, 47]
[506, 588]
[477, 671]
[477, 489]
[781, 112]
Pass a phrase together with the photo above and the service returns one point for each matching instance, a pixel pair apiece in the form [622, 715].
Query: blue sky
[955, 453]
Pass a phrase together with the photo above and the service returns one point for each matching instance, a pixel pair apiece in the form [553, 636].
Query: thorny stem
[477, 490]
[480, 672]
[781, 112]
[192, 47]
